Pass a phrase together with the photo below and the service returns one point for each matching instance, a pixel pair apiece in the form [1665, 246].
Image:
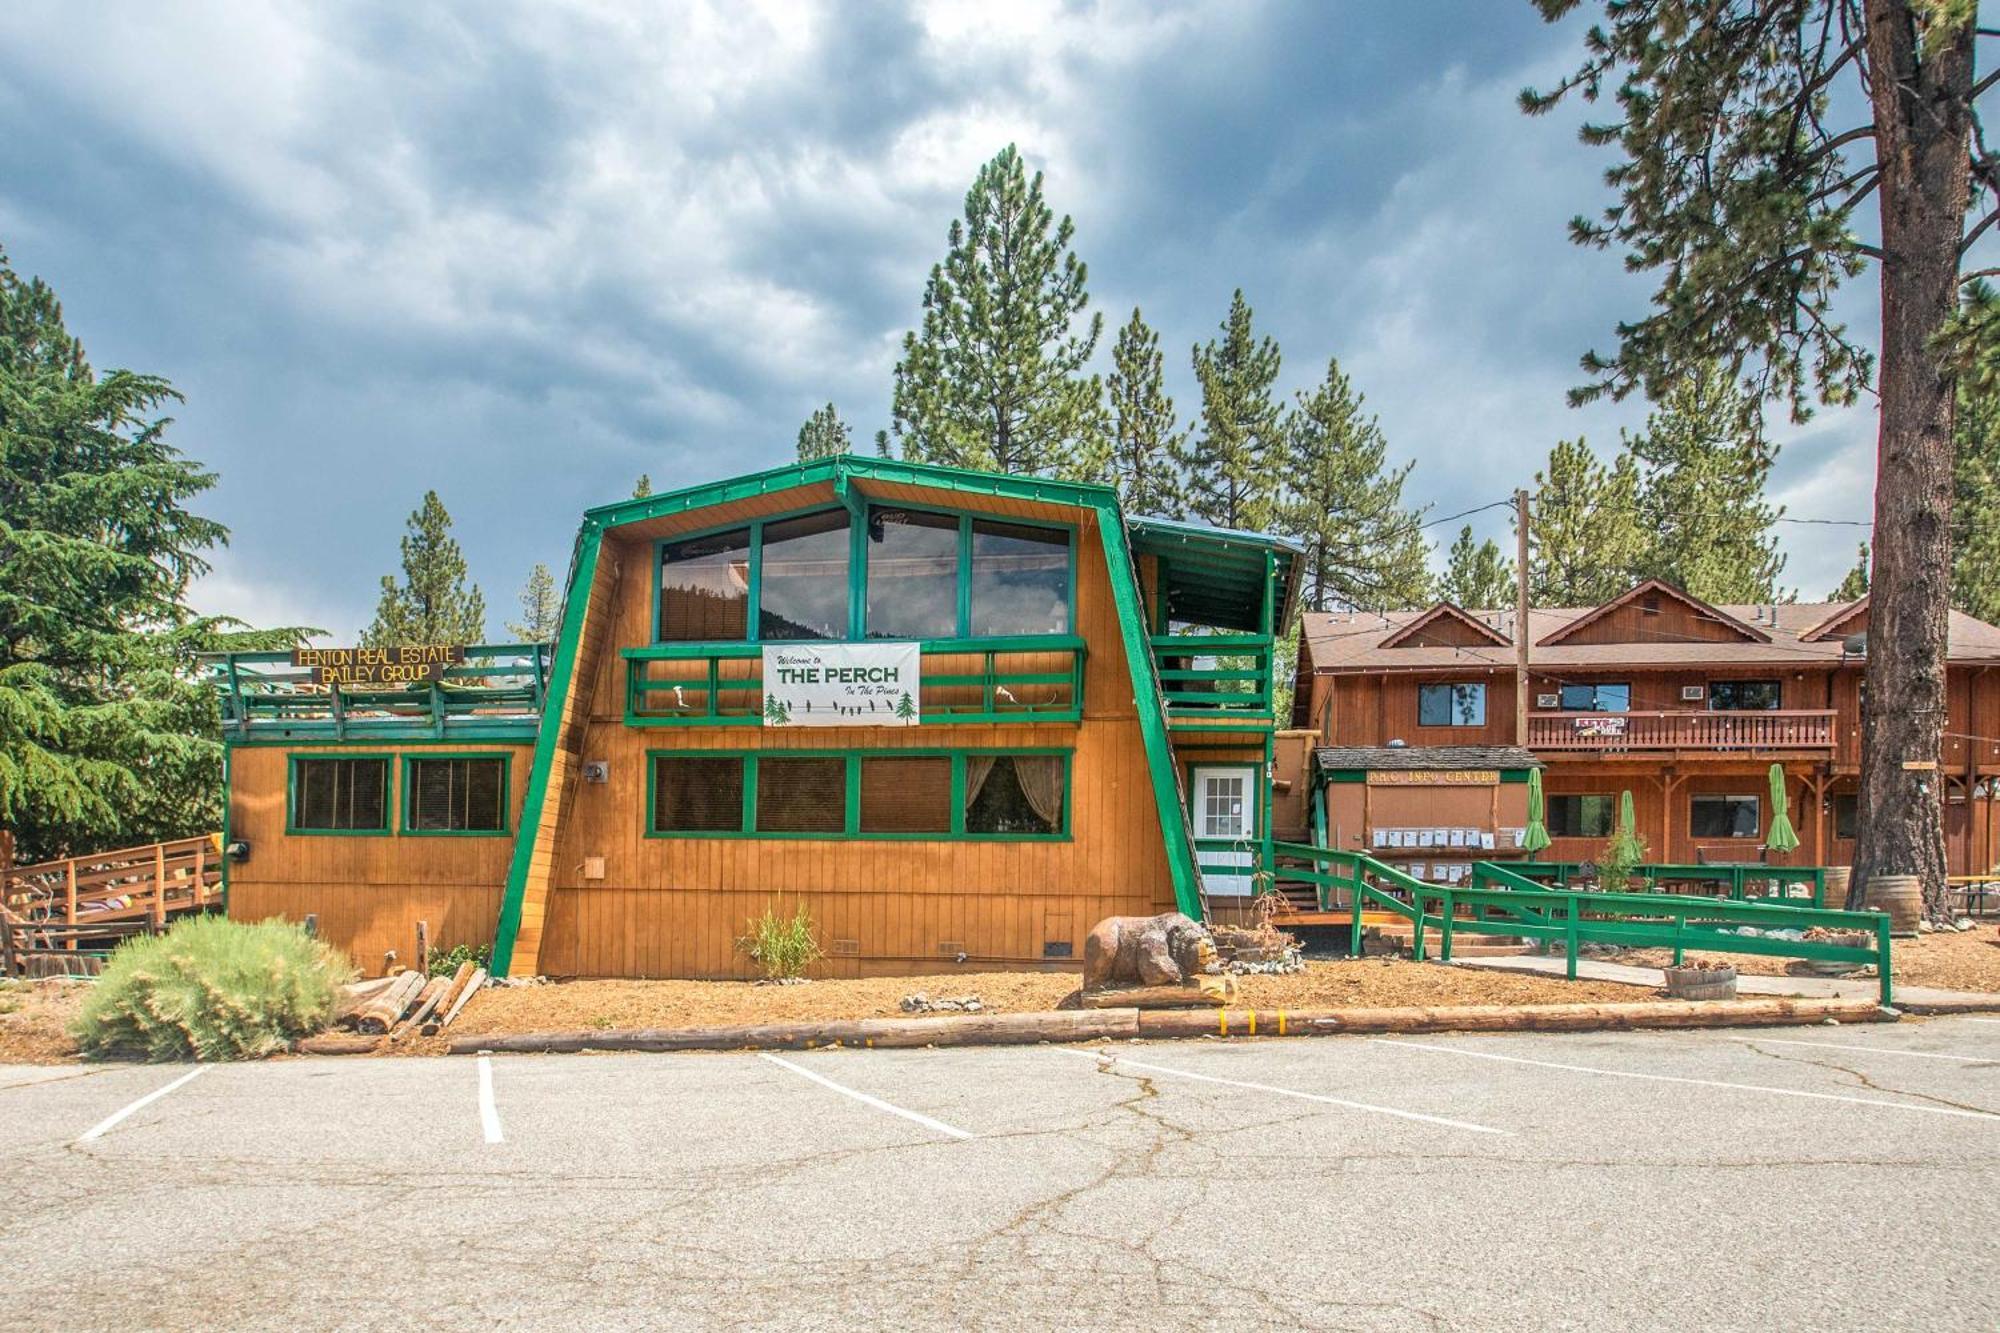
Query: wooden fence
[63, 916]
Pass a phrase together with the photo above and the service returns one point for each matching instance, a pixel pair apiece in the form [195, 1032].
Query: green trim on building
[292, 830]
[506, 828]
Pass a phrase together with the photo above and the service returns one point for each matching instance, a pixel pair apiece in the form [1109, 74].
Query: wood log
[427, 1001]
[380, 1013]
[338, 1043]
[943, 1030]
[1206, 992]
[472, 985]
[1508, 1018]
[459, 981]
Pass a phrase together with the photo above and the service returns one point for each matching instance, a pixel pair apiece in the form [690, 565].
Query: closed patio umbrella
[1782, 837]
[1536, 835]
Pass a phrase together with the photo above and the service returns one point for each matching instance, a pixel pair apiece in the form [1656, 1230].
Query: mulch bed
[1949, 960]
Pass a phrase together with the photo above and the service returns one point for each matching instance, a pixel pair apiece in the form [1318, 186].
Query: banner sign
[842, 684]
[1435, 777]
[1594, 725]
[402, 665]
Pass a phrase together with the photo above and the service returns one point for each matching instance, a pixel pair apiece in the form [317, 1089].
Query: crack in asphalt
[1864, 1080]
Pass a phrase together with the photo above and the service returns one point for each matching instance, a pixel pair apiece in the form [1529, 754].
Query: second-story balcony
[1775, 729]
[1211, 676]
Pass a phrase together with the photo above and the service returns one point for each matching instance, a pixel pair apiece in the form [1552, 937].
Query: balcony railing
[1790, 729]
[1033, 678]
[1206, 675]
[495, 694]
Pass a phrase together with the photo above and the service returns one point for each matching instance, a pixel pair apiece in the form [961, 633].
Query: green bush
[446, 963]
[212, 989]
[780, 947]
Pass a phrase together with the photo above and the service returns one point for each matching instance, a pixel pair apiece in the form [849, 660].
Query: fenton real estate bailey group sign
[842, 685]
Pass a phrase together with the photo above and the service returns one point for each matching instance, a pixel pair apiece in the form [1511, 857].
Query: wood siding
[368, 890]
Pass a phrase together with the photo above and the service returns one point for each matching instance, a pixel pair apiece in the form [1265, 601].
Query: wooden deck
[59, 917]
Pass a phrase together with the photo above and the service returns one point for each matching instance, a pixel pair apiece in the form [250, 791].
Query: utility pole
[1520, 617]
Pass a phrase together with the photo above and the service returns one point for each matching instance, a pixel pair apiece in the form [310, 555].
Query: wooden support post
[424, 947]
[69, 898]
[159, 887]
[1520, 617]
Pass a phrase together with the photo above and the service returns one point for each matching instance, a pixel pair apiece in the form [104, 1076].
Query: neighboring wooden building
[1684, 704]
[1090, 733]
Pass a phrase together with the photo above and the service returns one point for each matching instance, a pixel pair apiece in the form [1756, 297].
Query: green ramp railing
[1501, 901]
[1732, 879]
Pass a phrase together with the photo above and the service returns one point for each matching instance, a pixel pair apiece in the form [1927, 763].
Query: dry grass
[1949, 960]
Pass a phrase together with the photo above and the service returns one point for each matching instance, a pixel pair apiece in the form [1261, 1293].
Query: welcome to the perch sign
[842, 685]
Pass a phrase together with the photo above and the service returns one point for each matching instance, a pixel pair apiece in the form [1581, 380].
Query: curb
[1137, 1024]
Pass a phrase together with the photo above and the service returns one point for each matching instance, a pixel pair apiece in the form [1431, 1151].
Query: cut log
[427, 1002]
[459, 981]
[356, 994]
[472, 985]
[380, 1014]
[1506, 1018]
[338, 1043]
[1206, 992]
[945, 1030]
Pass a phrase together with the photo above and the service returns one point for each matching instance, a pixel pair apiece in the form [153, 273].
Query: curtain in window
[978, 767]
[1041, 779]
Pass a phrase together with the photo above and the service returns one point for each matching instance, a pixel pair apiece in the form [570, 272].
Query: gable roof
[1830, 627]
[1660, 588]
[1446, 611]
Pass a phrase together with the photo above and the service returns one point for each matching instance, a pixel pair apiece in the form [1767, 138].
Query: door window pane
[705, 588]
[1018, 794]
[906, 795]
[1020, 579]
[340, 795]
[1596, 698]
[1723, 816]
[1222, 807]
[1580, 816]
[912, 575]
[1743, 695]
[702, 795]
[802, 582]
[1451, 705]
[458, 795]
[801, 795]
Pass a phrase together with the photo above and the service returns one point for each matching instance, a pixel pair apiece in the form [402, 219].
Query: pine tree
[1854, 586]
[995, 377]
[1145, 440]
[1703, 465]
[1975, 504]
[1585, 541]
[541, 608]
[1477, 576]
[110, 734]
[1344, 503]
[824, 435]
[642, 487]
[434, 604]
[1234, 466]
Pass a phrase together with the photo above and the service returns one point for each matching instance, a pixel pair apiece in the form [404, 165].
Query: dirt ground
[1951, 960]
[34, 1021]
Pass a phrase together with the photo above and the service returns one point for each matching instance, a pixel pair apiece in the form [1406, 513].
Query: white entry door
[1225, 808]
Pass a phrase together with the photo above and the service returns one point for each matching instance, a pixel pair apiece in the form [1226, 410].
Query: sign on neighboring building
[1597, 724]
[842, 685]
[402, 665]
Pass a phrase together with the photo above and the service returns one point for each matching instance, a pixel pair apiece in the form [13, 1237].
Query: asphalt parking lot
[1796, 1178]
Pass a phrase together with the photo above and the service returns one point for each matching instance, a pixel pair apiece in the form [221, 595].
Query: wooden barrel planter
[1837, 880]
[1701, 983]
[1902, 897]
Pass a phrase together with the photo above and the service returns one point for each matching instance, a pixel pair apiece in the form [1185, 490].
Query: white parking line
[1692, 1082]
[1872, 1050]
[876, 1102]
[1292, 1092]
[489, 1114]
[1970, 1019]
[104, 1126]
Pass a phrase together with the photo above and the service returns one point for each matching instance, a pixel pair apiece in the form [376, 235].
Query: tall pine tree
[824, 435]
[109, 733]
[1145, 439]
[1235, 463]
[996, 376]
[1477, 577]
[1345, 504]
[1585, 540]
[1975, 504]
[541, 608]
[1854, 585]
[434, 603]
[1703, 465]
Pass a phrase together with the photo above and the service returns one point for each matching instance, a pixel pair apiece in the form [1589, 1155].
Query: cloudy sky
[522, 253]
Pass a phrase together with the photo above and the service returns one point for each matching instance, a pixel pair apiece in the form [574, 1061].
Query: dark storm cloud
[523, 253]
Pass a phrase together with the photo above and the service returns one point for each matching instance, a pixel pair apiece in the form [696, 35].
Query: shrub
[212, 989]
[446, 963]
[779, 947]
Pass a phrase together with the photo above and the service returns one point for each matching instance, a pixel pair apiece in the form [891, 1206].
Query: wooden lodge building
[957, 717]
[1684, 704]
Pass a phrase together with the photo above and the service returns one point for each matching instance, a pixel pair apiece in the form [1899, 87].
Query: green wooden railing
[495, 694]
[1238, 679]
[1030, 678]
[1733, 879]
[1502, 902]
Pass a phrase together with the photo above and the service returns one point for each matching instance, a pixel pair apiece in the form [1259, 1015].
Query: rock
[1924, 927]
[1964, 923]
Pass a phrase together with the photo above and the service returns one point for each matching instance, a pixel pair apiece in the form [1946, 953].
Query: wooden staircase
[62, 917]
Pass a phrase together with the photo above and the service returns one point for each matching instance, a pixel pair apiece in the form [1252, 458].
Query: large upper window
[802, 582]
[1451, 705]
[705, 588]
[457, 795]
[940, 576]
[1723, 816]
[340, 795]
[1596, 698]
[1744, 695]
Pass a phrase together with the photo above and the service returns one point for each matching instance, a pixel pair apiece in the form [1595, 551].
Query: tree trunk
[1922, 129]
